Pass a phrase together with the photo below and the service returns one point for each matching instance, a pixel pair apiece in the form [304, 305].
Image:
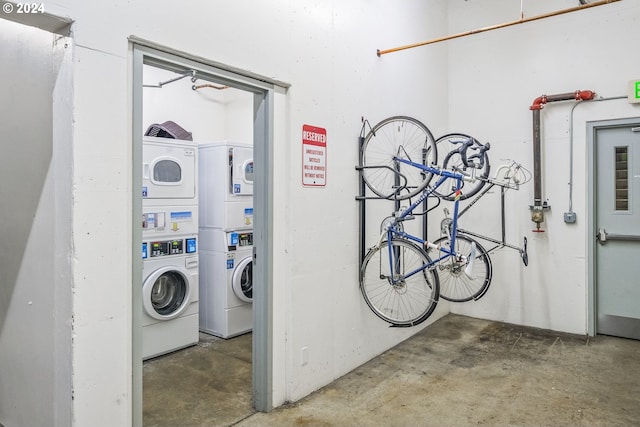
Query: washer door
[242, 281]
[166, 293]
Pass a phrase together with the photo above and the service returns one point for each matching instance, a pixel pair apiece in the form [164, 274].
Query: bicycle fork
[396, 277]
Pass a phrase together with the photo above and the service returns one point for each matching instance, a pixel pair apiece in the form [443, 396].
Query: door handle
[603, 236]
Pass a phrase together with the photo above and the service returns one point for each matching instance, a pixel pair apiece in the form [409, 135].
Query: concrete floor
[458, 372]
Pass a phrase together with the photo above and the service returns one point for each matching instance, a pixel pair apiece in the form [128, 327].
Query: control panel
[239, 239]
[161, 248]
[166, 247]
[167, 220]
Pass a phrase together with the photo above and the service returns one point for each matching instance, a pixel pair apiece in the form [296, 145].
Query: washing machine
[169, 171]
[170, 291]
[225, 182]
[226, 285]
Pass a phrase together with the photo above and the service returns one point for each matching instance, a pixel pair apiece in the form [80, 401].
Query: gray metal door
[617, 221]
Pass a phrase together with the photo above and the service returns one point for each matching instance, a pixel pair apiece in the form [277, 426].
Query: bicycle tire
[398, 136]
[455, 285]
[452, 161]
[411, 301]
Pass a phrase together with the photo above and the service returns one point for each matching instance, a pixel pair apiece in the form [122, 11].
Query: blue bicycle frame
[393, 231]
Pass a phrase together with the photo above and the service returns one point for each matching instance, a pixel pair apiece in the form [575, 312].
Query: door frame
[263, 89]
[592, 128]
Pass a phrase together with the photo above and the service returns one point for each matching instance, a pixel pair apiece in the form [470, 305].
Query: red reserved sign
[314, 156]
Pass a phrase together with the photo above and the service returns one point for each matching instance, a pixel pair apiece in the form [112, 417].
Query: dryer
[226, 285]
[169, 171]
[169, 294]
[225, 179]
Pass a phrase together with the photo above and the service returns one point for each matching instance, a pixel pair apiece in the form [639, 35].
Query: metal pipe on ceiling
[522, 20]
[196, 87]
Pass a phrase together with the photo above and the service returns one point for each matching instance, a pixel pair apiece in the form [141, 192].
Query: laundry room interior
[197, 227]
[321, 213]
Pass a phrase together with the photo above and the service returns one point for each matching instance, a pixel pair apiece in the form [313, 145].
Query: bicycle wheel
[409, 301]
[455, 285]
[397, 137]
[446, 146]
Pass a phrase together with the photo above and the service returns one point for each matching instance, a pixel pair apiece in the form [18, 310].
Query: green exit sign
[634, 92]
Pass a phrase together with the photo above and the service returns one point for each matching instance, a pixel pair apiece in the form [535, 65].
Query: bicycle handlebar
[468, 161]
[479, 155]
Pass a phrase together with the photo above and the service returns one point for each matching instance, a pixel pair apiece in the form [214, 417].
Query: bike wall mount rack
[362, 196]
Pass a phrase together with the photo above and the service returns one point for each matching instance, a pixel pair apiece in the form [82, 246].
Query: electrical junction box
[569, 217]
[634, 92]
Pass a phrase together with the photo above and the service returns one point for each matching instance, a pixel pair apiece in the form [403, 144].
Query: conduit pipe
[196, 87]
[522, 20]
[538, 207]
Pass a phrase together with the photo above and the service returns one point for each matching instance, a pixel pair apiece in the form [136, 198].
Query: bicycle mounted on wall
[399, 280]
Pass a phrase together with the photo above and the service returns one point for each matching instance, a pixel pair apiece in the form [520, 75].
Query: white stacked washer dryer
[169, 246]
[226, 238]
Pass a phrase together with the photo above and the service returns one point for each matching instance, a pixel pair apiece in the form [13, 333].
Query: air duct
[539, 206]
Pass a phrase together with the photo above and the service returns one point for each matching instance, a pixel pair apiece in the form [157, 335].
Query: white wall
[495, 76]
[35, 312]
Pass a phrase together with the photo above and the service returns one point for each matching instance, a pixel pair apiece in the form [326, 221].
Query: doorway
[261, 91]
[615, 154]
